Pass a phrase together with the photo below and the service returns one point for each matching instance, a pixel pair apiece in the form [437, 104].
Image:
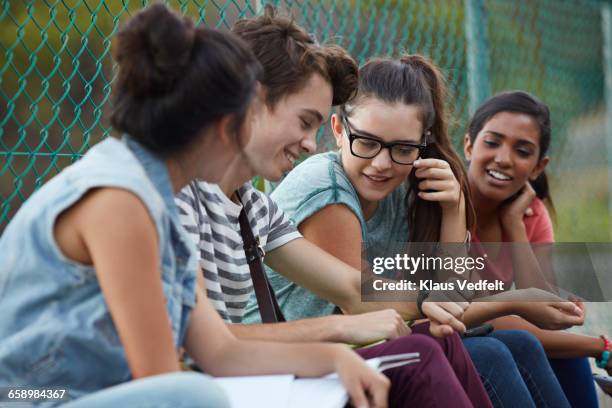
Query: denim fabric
[176, 390]
[576, 379]
[56, 329]
[515, 371]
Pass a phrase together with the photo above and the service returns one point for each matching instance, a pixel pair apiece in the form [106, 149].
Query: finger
[435, 313]
[437, 196]
[576, 300]
[528, 193]
[440, 330]
[529, 189]
[568, 320]
[401, 327]
[572, 320]
[436, 185]
[405, 330]
[434, 173]
[437, 163]
[380, 392]
[452, 308]
[357, 394]
[393, 334]
[569, 307]
[582, 306]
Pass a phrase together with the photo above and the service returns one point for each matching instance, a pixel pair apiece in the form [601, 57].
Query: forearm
[453, 227]
[557, 344]
[527, 271]
[219, 353]
[249, 357]
[317, 329]
[330, 278]
[483, 311]
[307, 265]
[407, 310]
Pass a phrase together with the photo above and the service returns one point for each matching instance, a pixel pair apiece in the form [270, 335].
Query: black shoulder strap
[268, 306]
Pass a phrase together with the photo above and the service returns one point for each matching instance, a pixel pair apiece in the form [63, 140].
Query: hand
[551, 312]
[366, 387]
[373, 326]
[512, 213]
[445, 317]
[438, 182]
[576, 300]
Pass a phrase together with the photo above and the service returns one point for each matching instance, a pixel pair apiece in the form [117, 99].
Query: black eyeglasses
[367, 147]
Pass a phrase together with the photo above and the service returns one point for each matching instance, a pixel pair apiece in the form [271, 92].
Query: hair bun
[153, 50]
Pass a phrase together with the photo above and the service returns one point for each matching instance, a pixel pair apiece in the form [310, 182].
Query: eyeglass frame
[383, 145]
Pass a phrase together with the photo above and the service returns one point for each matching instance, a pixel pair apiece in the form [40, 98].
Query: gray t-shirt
[316, 183]
[212, 223]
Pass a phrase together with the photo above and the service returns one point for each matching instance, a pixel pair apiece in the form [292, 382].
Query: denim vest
[56, 329]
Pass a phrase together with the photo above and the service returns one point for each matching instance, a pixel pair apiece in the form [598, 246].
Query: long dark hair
[175, 79]
[414, 80]
[521, 102]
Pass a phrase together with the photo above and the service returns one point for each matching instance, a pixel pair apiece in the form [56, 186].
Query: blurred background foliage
[56, 74]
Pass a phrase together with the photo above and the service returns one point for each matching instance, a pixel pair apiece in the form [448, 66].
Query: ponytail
[439, 147]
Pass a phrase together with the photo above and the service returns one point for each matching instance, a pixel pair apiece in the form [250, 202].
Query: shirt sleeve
[281, 229]
[188, 209]
[327, 185]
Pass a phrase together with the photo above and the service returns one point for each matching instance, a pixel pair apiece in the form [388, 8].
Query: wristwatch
[423, 294]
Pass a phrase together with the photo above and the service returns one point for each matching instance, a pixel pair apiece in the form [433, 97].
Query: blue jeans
[175, 390]
[576, 378]
[515, 371]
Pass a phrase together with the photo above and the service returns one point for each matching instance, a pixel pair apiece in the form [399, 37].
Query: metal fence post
[606, 24]
[479, 87]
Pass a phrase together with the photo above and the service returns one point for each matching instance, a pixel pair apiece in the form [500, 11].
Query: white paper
[284, 391]
[265, 391]
[317, 392]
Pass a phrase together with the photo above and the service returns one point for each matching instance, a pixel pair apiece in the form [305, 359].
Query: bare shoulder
[100, 214]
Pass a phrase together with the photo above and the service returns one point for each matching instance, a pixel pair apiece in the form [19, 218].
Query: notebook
[285, 391]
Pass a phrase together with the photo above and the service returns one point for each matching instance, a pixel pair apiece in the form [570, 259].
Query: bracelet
[605, 355]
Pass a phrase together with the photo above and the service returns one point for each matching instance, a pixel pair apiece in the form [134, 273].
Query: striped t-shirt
[212, 222]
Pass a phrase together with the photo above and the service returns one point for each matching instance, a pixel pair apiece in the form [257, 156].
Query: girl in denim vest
[97, 277]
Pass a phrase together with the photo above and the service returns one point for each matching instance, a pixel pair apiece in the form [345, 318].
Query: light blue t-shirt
[316, 183]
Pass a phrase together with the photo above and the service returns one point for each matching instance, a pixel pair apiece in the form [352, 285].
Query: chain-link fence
[56, 75]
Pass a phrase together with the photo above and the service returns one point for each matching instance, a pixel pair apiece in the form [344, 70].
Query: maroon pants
[445, 376]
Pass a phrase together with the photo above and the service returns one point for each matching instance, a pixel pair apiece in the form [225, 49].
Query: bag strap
[266, 299]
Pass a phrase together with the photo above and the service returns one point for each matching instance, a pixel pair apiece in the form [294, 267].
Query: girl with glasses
[397, 178]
